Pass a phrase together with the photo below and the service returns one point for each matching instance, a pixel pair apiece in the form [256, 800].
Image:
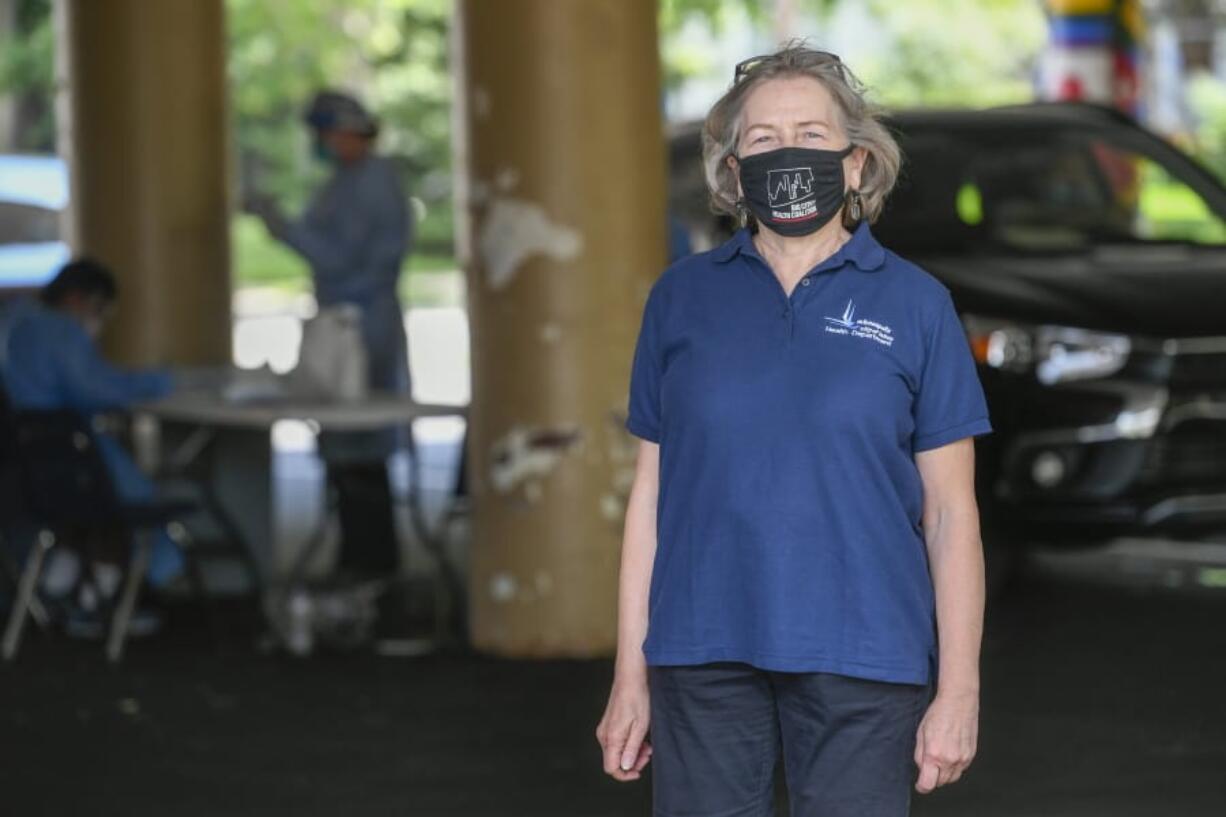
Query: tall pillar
[562, 162]
[146, 139]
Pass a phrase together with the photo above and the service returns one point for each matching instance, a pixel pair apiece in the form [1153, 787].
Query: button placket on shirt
[793, 306]
[811, 294]
[759, 267]
[791, 302]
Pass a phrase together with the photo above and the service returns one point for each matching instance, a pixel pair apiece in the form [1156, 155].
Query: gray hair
[861, 121]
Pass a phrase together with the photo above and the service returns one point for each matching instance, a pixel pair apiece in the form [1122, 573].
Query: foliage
[1207, 99]
[715, 13]
[391, 53]
[394, 54]
[27, 72]
[955, 52]
[260, 261]
[681, 63]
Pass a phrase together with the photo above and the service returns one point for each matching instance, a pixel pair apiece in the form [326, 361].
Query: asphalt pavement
[1104, 693]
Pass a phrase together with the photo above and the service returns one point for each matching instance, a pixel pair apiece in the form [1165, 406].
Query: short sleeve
[643, 419]
[950, 404]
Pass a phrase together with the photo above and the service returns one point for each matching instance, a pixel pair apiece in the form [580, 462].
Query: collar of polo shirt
[861, 249]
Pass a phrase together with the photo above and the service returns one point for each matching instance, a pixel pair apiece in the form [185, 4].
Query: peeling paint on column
[621, 441]
[524, 455]
[478, 192]
[480, 99]
[544, 583]
[514, 230]
[623, 480]
[550, 333]
[506, 179]
[502, 587]
[622, 450]
[505, 588]
[612, 507]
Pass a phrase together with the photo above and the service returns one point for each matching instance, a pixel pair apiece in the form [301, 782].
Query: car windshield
[1039, 190]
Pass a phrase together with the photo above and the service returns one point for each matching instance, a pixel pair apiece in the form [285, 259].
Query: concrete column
[562, 158]
[147, 147]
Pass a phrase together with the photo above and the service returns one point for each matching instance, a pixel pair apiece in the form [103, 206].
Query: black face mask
[793, 191]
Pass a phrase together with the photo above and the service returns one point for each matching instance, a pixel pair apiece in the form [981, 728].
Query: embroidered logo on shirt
[849, 324]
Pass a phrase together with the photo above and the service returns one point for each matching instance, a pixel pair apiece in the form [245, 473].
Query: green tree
[391, 53]
[27, 76]
[681, 63]
[963, 53]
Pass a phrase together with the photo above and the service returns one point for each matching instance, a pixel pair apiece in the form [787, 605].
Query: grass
[428, 279]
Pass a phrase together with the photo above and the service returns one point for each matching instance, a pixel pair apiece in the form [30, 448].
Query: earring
[742, 212]
[853, 206]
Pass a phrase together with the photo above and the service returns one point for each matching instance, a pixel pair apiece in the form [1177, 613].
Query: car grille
[1199, 371]
[1190, 458]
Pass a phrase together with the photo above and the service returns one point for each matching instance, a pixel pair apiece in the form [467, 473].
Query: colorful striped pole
[1092, 53]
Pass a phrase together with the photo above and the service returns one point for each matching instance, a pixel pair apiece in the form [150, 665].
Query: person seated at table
[51, 361]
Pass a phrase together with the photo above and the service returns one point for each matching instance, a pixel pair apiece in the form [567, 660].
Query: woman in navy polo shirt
[802, 532]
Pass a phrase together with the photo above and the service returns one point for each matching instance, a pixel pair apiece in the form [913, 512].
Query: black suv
[1088, 260]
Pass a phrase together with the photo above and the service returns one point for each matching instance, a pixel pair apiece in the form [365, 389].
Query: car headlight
[1055, 354]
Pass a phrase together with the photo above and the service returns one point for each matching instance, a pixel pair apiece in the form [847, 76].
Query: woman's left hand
[946, 740]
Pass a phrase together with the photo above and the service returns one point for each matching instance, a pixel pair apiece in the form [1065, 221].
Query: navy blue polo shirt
[789, 507]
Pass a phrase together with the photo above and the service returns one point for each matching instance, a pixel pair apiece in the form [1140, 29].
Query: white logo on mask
[789, 185]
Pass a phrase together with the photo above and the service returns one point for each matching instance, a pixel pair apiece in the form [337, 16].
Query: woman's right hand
[622, 731]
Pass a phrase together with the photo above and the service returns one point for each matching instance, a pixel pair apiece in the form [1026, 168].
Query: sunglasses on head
[745, 66]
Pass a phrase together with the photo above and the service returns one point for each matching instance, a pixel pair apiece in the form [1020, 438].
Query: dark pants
[368, 529]
[717, 731]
